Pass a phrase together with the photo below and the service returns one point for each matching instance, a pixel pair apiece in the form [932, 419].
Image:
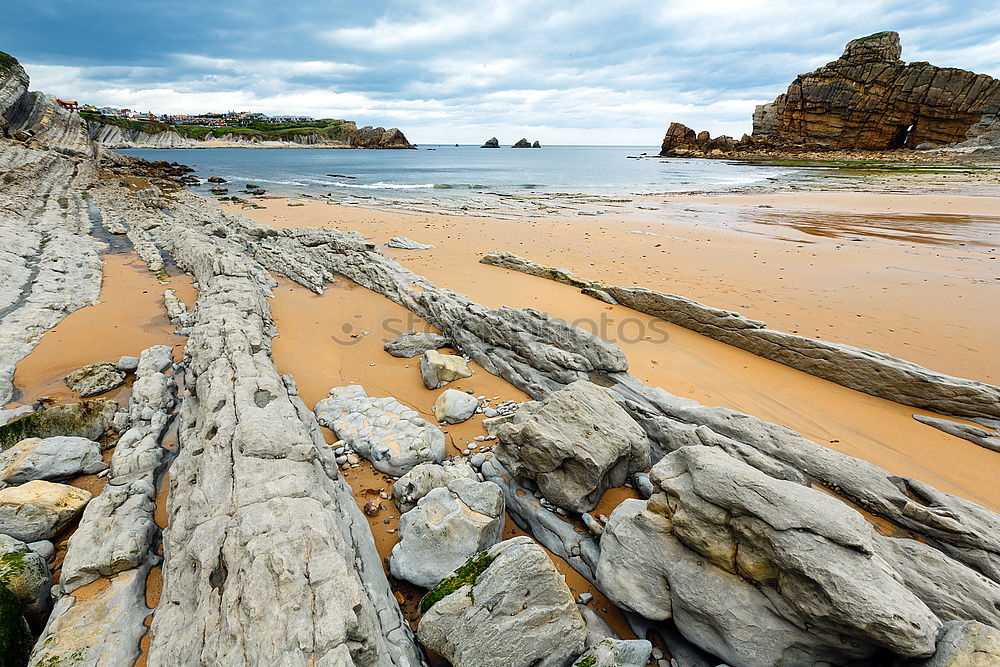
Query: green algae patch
[86, 419]
[467, 573]
[15, 637]
[586, 661]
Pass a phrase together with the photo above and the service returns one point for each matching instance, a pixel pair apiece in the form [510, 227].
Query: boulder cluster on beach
[731, 540]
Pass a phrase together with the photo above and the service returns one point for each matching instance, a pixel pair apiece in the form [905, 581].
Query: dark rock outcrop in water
[492, 142]
[867, 99]
[378, 137]
[522, 143]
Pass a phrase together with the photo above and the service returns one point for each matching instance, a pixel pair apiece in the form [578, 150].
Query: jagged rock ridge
[867, 99]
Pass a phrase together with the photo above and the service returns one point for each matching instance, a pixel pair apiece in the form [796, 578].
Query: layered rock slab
[267, 559]
[743, 563]
[392, 436]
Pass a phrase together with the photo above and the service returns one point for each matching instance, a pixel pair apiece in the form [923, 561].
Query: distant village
[228, 119]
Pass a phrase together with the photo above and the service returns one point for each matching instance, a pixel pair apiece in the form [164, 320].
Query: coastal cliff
[115, 133]
[868, 99]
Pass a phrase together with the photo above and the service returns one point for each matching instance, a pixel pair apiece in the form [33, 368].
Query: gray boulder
[506, 606]
[446, 527]
[56, 458]
[128, 364]
[438, 369]
[383, 430]
[576, 444]
[423, 478]
[757, 570]
[95, 379]
[25, 574]
[454, 407]
[38, 510]
[414, 344]
[616, 653]
[963, 644]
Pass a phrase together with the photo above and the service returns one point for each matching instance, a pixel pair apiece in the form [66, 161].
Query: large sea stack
[868, 99]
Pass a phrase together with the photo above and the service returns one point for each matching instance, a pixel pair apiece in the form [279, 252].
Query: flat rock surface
[392, 436]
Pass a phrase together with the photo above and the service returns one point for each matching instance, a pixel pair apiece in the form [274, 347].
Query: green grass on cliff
[874, 35]
[329, 129]
[7, 62]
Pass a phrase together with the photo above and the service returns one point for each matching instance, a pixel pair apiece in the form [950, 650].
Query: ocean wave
[381, 186]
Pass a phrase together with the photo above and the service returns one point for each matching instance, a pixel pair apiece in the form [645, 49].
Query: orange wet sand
[682, 362]
[307, 322]
[931, 304]
[128, 318]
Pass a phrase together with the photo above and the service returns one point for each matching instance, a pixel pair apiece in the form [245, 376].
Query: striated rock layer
[867, 99]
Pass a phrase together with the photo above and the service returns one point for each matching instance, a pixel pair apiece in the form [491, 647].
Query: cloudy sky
[590, 72]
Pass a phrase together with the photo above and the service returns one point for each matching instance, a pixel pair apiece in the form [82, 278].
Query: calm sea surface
[453, 173]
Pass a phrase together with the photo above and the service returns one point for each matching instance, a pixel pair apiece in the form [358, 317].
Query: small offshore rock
[95, 379]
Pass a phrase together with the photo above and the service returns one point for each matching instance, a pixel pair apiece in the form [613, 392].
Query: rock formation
[392, 436]
[492, 142]
[377, 137]
[448, 525]
[867, 99]
[505, 606]
[266, 557]
[524, 143]
[576, 444]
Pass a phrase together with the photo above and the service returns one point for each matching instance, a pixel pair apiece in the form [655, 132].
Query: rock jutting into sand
[38, 510]
[413, 344]
[404, 243]
[872, 372]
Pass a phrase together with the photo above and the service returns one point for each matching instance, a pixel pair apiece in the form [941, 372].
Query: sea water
[463, 177]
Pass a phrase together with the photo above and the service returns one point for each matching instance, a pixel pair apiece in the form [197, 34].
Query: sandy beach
[911, 299]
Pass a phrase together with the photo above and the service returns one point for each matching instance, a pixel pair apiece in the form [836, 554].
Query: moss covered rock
[86, 419]
[15, 636]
